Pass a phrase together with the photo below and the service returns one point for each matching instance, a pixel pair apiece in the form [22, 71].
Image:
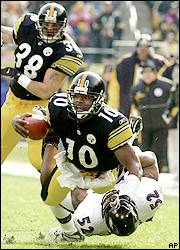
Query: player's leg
[53, 194]
[35, 146]
[35, 152]
[9, 137]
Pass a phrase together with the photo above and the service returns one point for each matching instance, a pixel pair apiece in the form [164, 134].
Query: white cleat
[58, 235]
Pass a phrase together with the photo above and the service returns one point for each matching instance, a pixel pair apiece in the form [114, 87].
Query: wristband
[24, 81]
[130, 185]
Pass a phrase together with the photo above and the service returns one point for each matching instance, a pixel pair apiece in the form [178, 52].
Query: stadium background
[106, 47]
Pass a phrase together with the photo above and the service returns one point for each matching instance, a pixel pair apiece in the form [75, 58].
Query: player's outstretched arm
[128, 158]
[51, 83]
[149, 164]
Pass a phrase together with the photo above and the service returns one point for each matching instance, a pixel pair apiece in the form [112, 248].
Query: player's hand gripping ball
[37, 126]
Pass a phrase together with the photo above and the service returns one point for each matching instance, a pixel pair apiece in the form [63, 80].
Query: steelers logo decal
[91, 139]
[48, 51]
[158, 92]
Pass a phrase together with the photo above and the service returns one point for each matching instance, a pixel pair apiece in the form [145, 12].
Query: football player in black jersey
[44, 56]
[95, 138]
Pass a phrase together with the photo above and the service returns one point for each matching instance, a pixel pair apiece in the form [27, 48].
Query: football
[38, 126]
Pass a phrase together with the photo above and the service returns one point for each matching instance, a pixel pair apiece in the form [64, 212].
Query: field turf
[25, 221]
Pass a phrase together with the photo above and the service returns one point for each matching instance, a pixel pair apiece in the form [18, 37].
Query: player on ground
[44, 56]
[116, 212]
[95, 138]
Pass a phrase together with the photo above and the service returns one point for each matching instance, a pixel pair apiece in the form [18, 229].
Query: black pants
[156, 141]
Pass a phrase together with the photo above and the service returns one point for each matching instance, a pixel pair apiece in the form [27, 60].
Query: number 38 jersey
[33, 57]
[90, 145]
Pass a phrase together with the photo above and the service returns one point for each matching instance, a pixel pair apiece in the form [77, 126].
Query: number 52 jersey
[88, 215]
[33, 57]
[90, 144]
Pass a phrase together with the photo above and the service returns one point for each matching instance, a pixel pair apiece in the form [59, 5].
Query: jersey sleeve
[56, 105]
[120, 134]
[68, 64]
[72, 59]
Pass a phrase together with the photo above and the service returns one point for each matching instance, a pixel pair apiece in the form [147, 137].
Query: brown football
[38, 126]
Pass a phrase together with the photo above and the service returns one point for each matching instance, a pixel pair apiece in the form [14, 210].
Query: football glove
[41, 110]
[11, 72]
[135, 123]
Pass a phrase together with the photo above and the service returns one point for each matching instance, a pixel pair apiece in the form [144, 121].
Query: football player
[44, 56]
[116, 212]
[95, 138]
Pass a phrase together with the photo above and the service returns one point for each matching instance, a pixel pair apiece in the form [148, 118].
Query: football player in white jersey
[118, 211]
[96, 214]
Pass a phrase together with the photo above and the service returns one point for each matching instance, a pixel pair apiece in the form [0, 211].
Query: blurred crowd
[86, 19]
[165, 25]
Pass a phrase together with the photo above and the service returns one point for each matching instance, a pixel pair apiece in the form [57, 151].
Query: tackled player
[95, 138]
[115, 212]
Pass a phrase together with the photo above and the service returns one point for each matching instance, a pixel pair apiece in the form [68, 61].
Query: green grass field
[26, 220]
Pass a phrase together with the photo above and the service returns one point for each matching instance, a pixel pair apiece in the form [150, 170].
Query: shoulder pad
[75, 47]
[72, 58]
[24, 21]
[59, 99]
[119, 130]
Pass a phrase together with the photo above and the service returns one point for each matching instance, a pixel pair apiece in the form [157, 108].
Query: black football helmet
[89, 84]
[51, 13]
[120, 213]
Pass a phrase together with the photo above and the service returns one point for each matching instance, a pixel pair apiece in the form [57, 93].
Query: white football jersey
[148, 198]
[88, 215]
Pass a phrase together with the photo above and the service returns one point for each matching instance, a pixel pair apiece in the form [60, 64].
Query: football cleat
[58, 235]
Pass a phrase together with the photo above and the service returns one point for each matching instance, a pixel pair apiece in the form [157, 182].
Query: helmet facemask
[89, 87]
[55, 15]
[119, 213]
[53, 36]
[87, 111]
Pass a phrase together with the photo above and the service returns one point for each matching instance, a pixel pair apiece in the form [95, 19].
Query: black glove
[11, 72]
[135, 123]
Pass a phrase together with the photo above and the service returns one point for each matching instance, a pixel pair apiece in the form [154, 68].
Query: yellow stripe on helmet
[51, 13]
[83, 80]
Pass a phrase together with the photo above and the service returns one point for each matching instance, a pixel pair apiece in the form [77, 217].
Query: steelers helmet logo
[91, 139]
[48, 51]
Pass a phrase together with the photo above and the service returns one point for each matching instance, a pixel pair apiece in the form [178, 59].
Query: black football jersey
[33, 57]
[90, 144]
